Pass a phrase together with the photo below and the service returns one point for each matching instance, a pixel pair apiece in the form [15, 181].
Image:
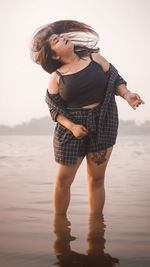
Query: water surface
[30, 235]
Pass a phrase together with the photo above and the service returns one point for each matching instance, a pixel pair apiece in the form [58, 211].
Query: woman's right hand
[79, 131]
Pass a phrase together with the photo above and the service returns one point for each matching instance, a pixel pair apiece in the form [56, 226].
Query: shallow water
[30, 235]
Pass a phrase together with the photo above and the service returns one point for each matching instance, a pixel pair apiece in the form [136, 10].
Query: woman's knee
[96, 181]
[64, 180]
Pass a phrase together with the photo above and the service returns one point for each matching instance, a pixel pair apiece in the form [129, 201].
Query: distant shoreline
[45, 126]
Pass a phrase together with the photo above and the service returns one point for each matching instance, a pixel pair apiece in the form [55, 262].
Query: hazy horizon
[123, 27]
[54, 123]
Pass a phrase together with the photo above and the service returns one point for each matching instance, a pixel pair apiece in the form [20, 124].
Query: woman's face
[60, 45]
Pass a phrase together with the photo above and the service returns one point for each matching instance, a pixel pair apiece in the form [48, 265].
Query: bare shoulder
[101, 60]
[53, 83]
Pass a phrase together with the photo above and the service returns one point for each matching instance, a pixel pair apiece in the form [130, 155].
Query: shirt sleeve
[54, 114]
[53, 109]
[56, 106]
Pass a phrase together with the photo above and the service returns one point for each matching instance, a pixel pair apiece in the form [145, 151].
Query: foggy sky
[123, 27]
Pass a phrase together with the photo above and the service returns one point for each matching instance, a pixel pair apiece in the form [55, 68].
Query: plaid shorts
[67, 147]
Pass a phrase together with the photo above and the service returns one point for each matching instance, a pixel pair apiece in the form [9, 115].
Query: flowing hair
[82, 36]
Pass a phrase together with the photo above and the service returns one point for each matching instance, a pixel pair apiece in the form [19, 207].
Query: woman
[81, 99]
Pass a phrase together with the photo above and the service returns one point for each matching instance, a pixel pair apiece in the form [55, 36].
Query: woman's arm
[133, 99]
[122, 90]
[65, 122]
[56, 116]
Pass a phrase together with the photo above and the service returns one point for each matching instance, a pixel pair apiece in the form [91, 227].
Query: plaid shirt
[108, 114]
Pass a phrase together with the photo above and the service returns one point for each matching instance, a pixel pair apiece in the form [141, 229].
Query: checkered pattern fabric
[101, 122]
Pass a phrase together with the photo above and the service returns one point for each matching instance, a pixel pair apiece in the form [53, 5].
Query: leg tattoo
[99, 157]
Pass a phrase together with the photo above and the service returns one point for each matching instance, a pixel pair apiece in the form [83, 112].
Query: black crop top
[84, 87]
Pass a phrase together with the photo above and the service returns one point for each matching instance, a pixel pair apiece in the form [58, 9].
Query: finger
[85, 132]
[134, 106]
[84, 129]
[138, 97]
[141, 102]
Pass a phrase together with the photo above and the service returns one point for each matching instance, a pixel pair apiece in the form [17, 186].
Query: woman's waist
[92, 105]
[84, 108]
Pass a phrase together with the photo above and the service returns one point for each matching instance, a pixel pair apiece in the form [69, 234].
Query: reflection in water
[96, 244]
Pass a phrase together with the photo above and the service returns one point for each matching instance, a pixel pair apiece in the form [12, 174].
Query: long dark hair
[40, 50]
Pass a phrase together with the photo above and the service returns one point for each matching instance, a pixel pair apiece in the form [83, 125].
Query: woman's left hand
[133, 99]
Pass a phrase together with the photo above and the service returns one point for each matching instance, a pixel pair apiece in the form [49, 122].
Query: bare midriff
[92, 105]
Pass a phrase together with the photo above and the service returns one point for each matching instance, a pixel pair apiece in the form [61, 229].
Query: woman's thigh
[66, 173]
[97, 162]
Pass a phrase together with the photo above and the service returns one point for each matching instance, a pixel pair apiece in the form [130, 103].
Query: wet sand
[30, 235]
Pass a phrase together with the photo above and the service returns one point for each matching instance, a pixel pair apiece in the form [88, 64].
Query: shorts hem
[102, 148]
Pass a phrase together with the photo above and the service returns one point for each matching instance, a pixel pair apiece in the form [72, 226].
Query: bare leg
[64, 178]
[96, 166]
